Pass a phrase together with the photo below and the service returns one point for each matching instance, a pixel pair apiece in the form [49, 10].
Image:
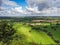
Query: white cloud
[43, 4]
[19, 9]
[33, 10]
[48, 12]
[44, 7]
[35, 7]
[10, 8]
[47, 2]
[9, 3]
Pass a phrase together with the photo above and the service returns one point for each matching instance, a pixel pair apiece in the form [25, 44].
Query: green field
[44, 34]
[34, 36]
[38, 36]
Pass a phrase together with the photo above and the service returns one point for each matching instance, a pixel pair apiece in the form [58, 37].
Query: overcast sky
[29, 7]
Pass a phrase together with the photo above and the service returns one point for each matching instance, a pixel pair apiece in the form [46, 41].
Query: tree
[6, 32]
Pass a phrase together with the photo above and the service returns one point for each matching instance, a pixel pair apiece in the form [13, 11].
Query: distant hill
[31, 17]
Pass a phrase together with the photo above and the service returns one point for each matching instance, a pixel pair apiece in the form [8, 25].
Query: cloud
[4, 4]
[0, 2]
[11, 8]
[16, 11]
[44, 7]
[34, 7]
[19, 9]
[33, 10]
[41, 4]
[9, 3]
[52, 10]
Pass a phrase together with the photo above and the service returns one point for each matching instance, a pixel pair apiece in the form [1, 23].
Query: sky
[29, 8]
[21, 3]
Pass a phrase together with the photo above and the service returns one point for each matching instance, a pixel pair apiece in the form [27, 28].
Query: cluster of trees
[6, 32]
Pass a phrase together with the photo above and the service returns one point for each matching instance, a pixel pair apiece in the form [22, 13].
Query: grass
[33, 35]
[41, 37]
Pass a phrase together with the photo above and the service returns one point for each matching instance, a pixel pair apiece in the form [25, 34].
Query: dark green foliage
[57, 41]
[6, 32]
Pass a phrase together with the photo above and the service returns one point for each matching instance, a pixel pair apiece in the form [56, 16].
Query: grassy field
[38, 37]
[44, 34]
